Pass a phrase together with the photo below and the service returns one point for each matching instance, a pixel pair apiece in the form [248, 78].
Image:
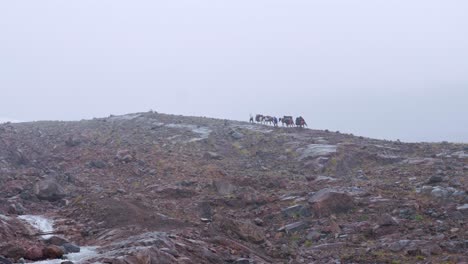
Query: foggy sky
[385, 69]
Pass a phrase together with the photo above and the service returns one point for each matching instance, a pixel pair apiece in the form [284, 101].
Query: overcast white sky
[387, 69]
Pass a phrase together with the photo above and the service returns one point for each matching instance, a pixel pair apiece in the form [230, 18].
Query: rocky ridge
[156, 188]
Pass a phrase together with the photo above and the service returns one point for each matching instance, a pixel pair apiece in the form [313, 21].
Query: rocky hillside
[155, 188]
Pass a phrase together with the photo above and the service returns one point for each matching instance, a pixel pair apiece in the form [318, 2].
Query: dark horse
[287, 120]
[268, 120]
[300, 122]
[259, 118]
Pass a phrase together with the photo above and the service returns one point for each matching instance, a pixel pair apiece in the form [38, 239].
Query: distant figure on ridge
[251, 120]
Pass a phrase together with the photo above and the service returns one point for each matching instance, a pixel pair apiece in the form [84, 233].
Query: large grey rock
[329, 201]
[316, 150]
[294, 227]
[463, 209]
[71, 248]
[49, 190]
[435, 179]
[439, 193]
[55, 240]
[236, 135]
[399, 245]
[4, 260]
[296, 211]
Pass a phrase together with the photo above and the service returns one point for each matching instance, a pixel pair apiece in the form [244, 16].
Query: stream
[45, 225]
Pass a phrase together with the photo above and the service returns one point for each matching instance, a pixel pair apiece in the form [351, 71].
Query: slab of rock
[149, 255]
[294, 227]
[463, 209]
[316, 150]
[296, 211]
[435, 179]
[213, 156]
[242, 261]
[329, 201]
[49, 190]
[53, 252]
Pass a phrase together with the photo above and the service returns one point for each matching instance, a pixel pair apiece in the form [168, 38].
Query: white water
[86, 253]
[44, 225]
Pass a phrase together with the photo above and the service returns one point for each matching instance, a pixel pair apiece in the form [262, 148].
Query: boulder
[53, 252]
[435, 179]
[98, 164]
[56, 241]
[440, 193]
[296, 211]
[328, 201]
[316, 150]
[236, 135]
[70, 248]
[5, 260]
[49, 190]
[34, 253]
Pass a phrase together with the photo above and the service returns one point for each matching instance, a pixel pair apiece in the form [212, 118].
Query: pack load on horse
[287, 120]
[268, 120]
[300, 122]
[259, 118]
